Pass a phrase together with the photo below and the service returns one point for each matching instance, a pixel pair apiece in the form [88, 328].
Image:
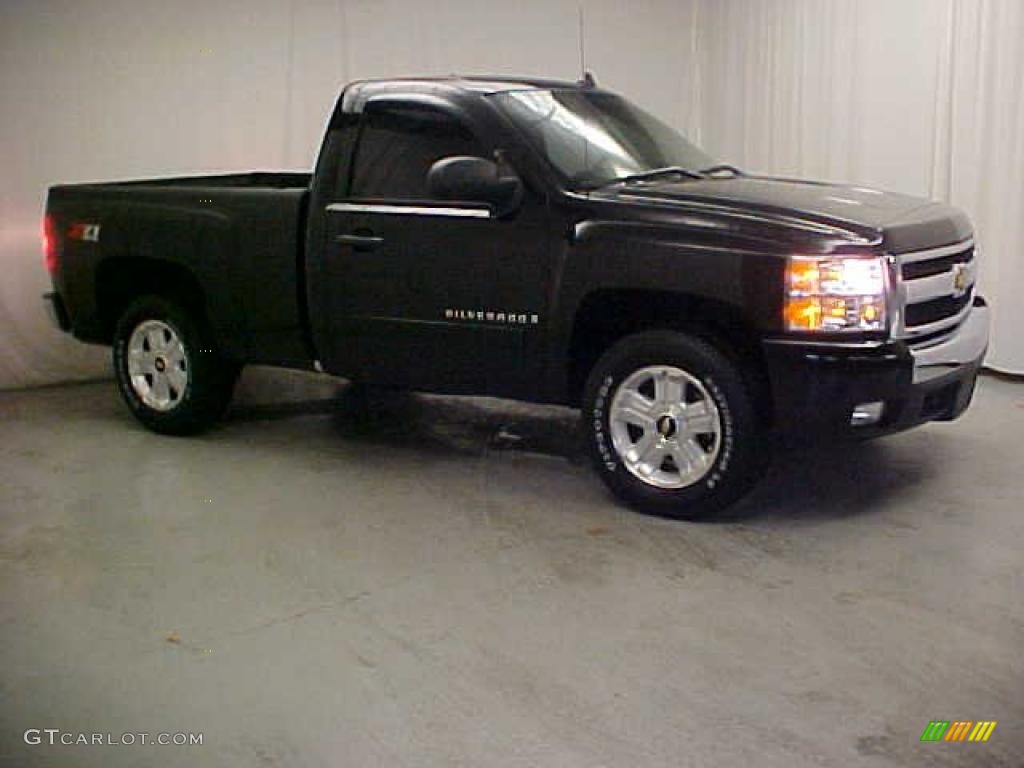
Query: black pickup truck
[544, 241]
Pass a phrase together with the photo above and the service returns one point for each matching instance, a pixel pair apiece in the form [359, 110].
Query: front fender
[727, 280]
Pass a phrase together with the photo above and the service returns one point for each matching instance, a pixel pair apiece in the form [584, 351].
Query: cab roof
[357, 94]
[478, 83]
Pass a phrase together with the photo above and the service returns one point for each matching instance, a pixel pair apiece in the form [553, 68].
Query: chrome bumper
[965, 347]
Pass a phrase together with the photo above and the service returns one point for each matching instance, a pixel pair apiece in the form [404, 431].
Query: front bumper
[815, 387]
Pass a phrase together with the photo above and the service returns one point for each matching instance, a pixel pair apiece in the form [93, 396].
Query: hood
[899, 222]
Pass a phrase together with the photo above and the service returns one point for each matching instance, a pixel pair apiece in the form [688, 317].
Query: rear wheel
[673, 429]
[168, 369]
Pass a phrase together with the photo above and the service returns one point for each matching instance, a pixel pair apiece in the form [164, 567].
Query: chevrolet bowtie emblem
[961, 278]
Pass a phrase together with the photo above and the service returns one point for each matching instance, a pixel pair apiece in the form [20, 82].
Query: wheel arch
[605, 316]
[120, 280]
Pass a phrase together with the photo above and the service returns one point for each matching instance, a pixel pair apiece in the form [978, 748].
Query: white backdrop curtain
[114, 89]
[921, 96]
[979, 153]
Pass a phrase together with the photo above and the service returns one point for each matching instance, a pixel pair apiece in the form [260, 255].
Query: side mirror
[475, 180]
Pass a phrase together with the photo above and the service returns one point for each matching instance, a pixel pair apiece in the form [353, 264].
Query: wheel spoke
[178, 380]
[139, 361]
[647, 468]
[644, 448]
[175, 354]
[668, 389]
[636, 409]
[699, 419]
[694, 456]
[161, 392]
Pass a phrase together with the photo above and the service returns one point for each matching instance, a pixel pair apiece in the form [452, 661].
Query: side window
[399, 144]
[335, 160]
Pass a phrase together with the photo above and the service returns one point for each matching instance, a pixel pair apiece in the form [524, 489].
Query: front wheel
[168, 368]
[672, 427]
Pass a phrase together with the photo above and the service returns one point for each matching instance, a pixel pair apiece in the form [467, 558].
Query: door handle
[360, 242]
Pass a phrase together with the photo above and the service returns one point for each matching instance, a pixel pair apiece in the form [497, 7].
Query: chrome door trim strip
[412, 210]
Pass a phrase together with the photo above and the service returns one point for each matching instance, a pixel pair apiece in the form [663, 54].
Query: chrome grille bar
[942, 284]
[935, 253]
[949, 323]
[939, 275]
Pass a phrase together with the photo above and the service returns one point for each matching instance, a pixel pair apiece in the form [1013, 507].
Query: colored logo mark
[958, 730]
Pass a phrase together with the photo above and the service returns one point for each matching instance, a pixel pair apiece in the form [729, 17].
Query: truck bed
[241, 236]
[254, 180]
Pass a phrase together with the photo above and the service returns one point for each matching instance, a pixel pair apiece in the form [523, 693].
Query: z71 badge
[89, 233]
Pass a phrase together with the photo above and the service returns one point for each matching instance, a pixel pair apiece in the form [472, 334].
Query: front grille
[936, 290]
[927, 339]
[926, 312]
[915, 269]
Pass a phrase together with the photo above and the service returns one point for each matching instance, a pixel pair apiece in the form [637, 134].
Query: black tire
[209, 378]
[740, 457]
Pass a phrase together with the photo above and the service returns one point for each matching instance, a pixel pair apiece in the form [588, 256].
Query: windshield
[593, 138]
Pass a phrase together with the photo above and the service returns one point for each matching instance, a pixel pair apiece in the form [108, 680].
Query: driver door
[430, 294]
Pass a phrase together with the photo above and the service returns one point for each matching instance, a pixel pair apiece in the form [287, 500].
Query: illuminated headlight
[835, 294]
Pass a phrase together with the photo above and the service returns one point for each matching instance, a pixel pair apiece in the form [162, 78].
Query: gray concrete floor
[428, 581]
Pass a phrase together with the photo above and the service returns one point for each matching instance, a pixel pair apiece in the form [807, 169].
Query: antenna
[583, 52]
[586, 79]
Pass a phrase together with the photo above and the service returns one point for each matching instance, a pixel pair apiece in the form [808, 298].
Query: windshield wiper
[655, 173]
[721, 168]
